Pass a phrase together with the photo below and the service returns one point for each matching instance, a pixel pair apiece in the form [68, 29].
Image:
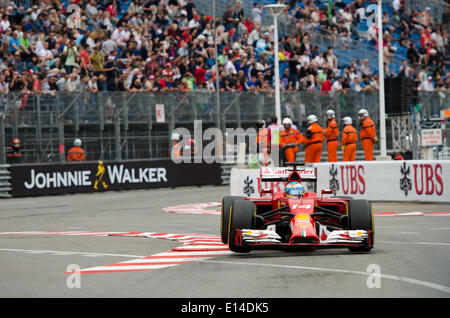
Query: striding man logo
[99, 176]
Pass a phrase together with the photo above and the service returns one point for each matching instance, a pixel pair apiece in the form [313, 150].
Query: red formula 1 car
[309, 221]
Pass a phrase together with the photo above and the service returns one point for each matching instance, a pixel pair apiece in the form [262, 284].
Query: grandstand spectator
[427, 85]
[365, 68]
[257, 11]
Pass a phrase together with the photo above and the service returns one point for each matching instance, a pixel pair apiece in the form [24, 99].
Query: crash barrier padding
[409, 180]
[96, 176]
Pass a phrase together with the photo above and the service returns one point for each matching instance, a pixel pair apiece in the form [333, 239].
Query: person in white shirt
[337, 86]
[5, 23]
[305, 60]
[44, 53]
[257, 12]
[229, 66]
[365, 68]
[427, 86]
[320, 61]
[91, 9]
[254, 35]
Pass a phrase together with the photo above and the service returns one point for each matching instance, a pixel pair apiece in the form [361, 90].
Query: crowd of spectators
[413, 35]
[167, 45]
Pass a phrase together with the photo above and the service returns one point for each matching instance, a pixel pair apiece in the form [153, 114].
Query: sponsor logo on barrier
[427, 179]
[117, 174]
[248, 186]
[120, 174]
[48, 180]
[273, 186]
[405, 181]
[352, 179]
[44, 179]
[334, 181]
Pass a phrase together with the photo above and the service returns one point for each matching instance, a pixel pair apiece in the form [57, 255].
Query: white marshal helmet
[311, 119]
[363, 112]
[77, 142]
[330, 113]
[287, 121]
[347, 120]
[175, 137]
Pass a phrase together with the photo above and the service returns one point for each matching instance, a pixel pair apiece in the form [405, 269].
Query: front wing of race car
[335, 239]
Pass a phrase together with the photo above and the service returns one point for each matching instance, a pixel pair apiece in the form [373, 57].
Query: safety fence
[138, 125]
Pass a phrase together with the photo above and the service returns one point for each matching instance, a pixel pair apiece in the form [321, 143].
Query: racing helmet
[77, 142]
[15, 141]
[363, 112]
[311, 119]
[347, 120]
[330, 114]
[294, 189]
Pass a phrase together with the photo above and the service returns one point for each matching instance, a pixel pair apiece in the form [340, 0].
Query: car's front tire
[242, 216]
[361, 218]
[227, 202]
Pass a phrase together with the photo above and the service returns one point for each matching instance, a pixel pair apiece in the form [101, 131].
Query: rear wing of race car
[294, 172]
[280, 174]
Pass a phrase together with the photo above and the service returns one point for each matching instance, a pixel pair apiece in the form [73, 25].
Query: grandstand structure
[125, 125]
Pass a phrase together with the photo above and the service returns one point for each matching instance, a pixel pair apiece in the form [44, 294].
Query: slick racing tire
[227, 202]
[345, 220]
[361, 218]
[242, 216]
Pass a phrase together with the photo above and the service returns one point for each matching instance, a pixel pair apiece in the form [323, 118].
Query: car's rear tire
[227, 202]
[242, 216]
[361, 218]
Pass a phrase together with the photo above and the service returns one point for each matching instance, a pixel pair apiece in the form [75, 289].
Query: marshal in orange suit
[313, 140]
[331, 133]
[290, 139]
[367, 134]
[348, 140]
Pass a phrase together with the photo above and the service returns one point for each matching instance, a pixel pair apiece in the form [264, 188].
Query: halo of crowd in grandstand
[166, 45]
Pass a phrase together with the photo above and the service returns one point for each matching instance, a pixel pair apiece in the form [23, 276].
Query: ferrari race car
[308, 221]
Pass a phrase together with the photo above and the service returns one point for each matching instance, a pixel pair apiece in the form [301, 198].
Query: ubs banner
[46, 179]
[427, 181]
[388, 180]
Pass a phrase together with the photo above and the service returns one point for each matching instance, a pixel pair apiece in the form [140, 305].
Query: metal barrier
[5, 182]
[121, 126]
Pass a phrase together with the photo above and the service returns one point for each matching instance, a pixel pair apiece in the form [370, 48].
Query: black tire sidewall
[242, 216]
[227, 202]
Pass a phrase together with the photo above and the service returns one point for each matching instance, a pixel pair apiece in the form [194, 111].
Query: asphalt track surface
[411, 254]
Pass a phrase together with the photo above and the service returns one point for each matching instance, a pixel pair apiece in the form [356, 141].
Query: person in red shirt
[84, 58]
[326, 86]
[200, 73]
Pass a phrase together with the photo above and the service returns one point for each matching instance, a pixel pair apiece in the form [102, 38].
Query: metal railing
[117, 126]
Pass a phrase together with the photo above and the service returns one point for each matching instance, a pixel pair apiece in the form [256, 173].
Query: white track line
[443, 288]
[194, 247]
[91, 254]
